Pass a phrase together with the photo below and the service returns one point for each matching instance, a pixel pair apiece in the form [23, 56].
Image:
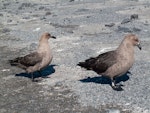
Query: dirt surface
[84, 28]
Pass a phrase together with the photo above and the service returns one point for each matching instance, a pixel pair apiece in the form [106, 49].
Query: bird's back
[100, 63]
[26, 61]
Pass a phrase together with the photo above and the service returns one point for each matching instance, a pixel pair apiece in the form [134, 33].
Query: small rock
[146, 23]
[46, 9]
[6, 4]
[54, 15]
[37, 29]
[4, 70]
[113, 111]
[26, 17]
[1, 14]
[24, 5]
[5, 30]
[109, 25]
[48, 13]
[35, 15]
[82, 10]
[124, 29]
[88, 16]
[134, 16]
[71, 0]
[41, 8]
[17, 2]
[58, 84]
[127, 20]
[43, 18]
[9, 20]
[9, 11]
[136, 29]
[3, 7]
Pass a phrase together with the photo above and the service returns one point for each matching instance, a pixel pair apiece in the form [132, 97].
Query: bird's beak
[53, 37]
[139, 46]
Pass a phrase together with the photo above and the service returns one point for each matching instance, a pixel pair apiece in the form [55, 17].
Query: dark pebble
[41, 8]
[71, 0]
[136, 29]
[1, 14]
[6, 4]
[124, 29]
[127, 20]
[109, 25]
[58, 84]
[27, 17]
[43, 18]
[3, 7]
[5, 30]
[134, 16]
[9, 20]
[24, 5]
[88, 16]
[48, 13]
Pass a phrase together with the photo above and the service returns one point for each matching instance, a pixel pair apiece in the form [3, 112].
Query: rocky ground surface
[83, 28]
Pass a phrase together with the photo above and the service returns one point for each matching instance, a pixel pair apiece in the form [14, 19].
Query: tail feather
[15, 61]
[88, 64]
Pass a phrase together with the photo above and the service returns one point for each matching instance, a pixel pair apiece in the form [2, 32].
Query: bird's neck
[43, 45]
[126, 48]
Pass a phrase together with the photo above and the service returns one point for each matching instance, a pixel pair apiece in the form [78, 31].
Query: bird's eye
[48, 35]
[136, 40]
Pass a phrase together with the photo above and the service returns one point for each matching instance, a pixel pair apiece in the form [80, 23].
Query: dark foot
[120, 84]
[117, 88]
[46, 77]
[128, 72]
[32, 77]
[37, 79]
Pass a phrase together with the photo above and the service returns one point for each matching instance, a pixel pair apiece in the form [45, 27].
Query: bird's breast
[120, 67]
[46, 60]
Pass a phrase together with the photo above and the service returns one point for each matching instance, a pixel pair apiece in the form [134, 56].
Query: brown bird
[114, 63]
[38, 60]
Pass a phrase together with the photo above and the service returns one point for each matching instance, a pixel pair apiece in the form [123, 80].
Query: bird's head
[133, 39]
[45, 37]
[48, 35]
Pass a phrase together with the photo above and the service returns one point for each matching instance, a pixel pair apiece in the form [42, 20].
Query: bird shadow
[45, 73]
[106, 80]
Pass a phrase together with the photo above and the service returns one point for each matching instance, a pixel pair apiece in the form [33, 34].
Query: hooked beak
[139, 46]
[53, 37]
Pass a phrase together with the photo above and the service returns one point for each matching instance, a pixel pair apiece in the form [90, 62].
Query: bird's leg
[114, 86]
[128, 72]
[36, 80]
[39, 78]
[112, 83]
[32, 77]
[118, 84]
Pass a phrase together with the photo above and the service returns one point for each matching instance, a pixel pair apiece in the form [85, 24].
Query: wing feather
[31, 59]
[104, 61]
[100, 63]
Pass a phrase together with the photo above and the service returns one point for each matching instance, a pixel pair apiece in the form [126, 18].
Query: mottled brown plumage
[114, 63]
[38, 60]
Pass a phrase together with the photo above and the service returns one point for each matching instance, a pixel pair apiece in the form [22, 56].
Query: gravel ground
[83, 28]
